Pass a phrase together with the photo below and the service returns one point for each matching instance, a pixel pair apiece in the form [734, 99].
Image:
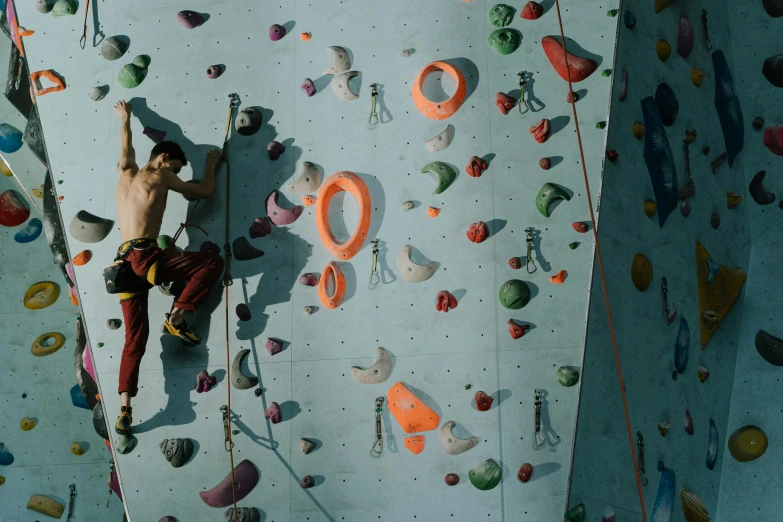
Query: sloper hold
[728, 106]
[641, 272]
[98, 93]
[660, 161]
[46, 506]
[774, 8]
[712, 446]
[44, 6]
[341, 60]
[748, 443]
[65, 8]
[414, 444]
[88, 228]
[693, 508]
[239, 380]
[248, 121]
[13, 211]
[773, 70]
[452, 444]
[660, 5]
[578, 513]
[189, 19]
[446, 175]
[243, 514]
[567, 376]
[341, 86]
[131, 76]
[629, 19]
[411, 413]
[308, 180]
[773, 139]
[113, 48]
[514, 294]
[667, 103]
[409, 270]
[177, 451]
[685, 37]
[717, 297]
[78, 449]
[442, 140]
[278, 215]
[276, 32]
[532, 11]
[246, 478]
[770, 348]
[580, 68]
[244, 251]
[30, 232]
[6, 457]
[548, 193]
[486, 475]
[664, 500]
[378, 372]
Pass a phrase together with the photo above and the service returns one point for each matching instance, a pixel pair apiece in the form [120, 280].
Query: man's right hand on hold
[123, 108]
[214, 157]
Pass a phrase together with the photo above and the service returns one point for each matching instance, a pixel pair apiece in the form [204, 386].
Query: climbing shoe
[124, 421]
[181, 330]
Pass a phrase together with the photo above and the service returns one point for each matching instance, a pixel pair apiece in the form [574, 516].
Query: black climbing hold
[244, 251]
[758, 123]
[667, 103]
[258, 392]
[705, 150]
[773, 70]
[774, 8]
[770, 347]
[248, 121]
[757, 190]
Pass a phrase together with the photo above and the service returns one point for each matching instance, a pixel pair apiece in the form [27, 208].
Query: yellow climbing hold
[660, 5]
[697, 75]
[77, 449]
[38, 192]
[693, 508]
[638, 130]
[718, 296]
[47, 344]
[2, 480]
[748, 443]
[27, 423]
[41, 295]
[690, 135]
[663, 49]
[641, 272]
[650, 207]
[46, 506]
[5, 169]
[732, 199]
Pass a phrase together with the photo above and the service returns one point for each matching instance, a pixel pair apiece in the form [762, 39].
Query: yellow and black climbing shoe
[124, 421]
[181, 330]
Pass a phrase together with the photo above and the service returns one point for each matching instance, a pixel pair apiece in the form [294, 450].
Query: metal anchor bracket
[522, 100]
[669, 317]
[529, 257]
[71, 501]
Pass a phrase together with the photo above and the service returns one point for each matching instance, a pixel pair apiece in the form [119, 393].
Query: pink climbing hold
[261, 227]
[685, 37]
[540, 131]
[532, 11]
[517, 330]
[205, 382]
[515, 263]
[275, 149]
[688, 423]
[309, 87]
[445, 301]
[243, 312]
[309, 279]
[773, 139]
[273, 413]
[612, 155]
[13, 211]
[505, 102]
[278, 215]
[189, 19]
[478, 232]
[273, 346]
[214, 71]
[545, 163]
[476, 167]
[276, 32]
[580, 227]
[580, 68]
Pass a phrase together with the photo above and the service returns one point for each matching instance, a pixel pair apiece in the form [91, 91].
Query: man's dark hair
[172, 149]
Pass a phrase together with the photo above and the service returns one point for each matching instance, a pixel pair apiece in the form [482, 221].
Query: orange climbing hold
[558, 278]
[336, 299]
[38, 89]
[305, 36]
[439, 110]
[308, 201]
[433, 212]
[353, 184]
[82, 258]
[414, 444]
[579, 68]
[410, 412]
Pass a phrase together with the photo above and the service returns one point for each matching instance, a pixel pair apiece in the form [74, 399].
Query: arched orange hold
[38, 90]
[82, 258]
[433, 212]
[308, 201]
[439, 110]
[413, 415]
[336, 299]
[414, 444]
[353, 184]
[558, 278]
[305, 36]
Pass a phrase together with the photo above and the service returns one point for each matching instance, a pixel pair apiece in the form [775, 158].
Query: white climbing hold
[378, 372]
[442, 140]
[306, 445]
[341, 60]
[308, 181]
[341, 87]
[452, 444]
[412, 272]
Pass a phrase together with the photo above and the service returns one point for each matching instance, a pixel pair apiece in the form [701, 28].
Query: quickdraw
[111, 474]
[228, 444]
[640, 444]
[529, 257]
[83, 39]
[70, 502]
[669, 317]
[374, 108]
[707, 42]
[522, 100]
[377, 446]
[538, 437]
[375, 279]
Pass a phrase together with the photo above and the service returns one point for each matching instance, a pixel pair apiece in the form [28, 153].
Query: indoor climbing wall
[443, 359]
[47, 441]
[679, 212]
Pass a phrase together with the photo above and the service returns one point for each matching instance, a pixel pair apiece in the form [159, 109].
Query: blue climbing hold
[660, 161]
[10, 138]
[712, 268]
[629, 19]
[6, 459]
[78, 399]
[667, 104]
[664, 501]
[30, 232]
[728, 106]
[682, 346]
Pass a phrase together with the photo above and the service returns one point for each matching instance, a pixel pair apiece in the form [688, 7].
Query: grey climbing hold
[243, 514]
[248, 121]
[408, 205]
[239, 380]
[308, 180]
[88, 228]
[99, 421]
[113, 48]
[406, 53]
[177, 451]
[306, 445]
[307, 482]
[113, 324]
[65, 8]
[378, 372]
[142, 61]
[773, 70]
[244, 251]
[769, 347]
[341, 87]
[341, 60]
[43, 6]
[410, 271]
[308, 310]
[98, 93]
[125, 444]
[452, 444]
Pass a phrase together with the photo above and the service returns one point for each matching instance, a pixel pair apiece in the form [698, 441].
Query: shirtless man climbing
[141, 201]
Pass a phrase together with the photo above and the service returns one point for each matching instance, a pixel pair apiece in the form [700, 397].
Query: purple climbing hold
[243, 312]
[275, 149]
[307, 482]
[276, 32]
[274, 346]
[213, 71]
[209, 247]
[757, 190]
[273, 413]
[154, 134]
[245, 479]
[205, 382]
[167, 519]
[688, 423]
[189, 19]
[308, 279]
[685, 37]
[715, 220]
[261, 227]
[309, 87]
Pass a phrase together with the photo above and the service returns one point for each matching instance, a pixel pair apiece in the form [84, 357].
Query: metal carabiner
[529, 258]
[538, 437]
[669, 317]
[375, 279]
[640, 443]
[70, 502]
[522, 100]
[373, 110]
[377, 446]
[228, 444]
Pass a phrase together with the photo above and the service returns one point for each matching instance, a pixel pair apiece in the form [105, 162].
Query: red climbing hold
[580, 68]
[612, 155]
[478, 232]
[445, 301]
[515, 263]
[517, 330]
[476, 167]
[12, 211]
[545, 163]
[558, 278]
[773, 139]
[532, 11]
[540, 131]
[525, 472]
[572, 96]
[580, 227]
[452, 479]
[505, 102]
[483, 401]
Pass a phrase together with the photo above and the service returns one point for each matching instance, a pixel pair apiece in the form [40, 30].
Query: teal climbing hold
[486, 475]
[65, 8]
[78, 399]
[6, 458]
[131, 76]
[514, 294]
[548, 193]
[30, 232]
[10, 138]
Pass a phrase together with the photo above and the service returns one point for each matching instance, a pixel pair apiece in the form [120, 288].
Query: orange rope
[603, 277]
[83, 39]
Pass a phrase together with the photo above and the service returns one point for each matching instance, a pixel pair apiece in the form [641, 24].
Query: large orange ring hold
[332, 302]
[353, 184]
[439, 110]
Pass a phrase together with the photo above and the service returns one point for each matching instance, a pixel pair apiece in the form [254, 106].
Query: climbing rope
[601, 271]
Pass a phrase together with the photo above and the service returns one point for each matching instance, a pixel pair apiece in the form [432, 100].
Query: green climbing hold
[131, 76]
[548, 193]
[501, 15]
[100, 345]
[567, 376]
[514, 294]
[125, 444]
[486, 475]
[600, 125]
[505, 41]
[65, 8]
[578, 513]
[573, 245]
[612, 12]
[468, 386]
[142, 61]
[446, 174]
[606, 73]
[164, 241]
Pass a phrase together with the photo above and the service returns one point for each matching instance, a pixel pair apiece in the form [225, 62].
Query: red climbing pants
[201, 270]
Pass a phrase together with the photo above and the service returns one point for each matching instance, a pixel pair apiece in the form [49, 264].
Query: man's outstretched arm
[205, 187]
[127, 153]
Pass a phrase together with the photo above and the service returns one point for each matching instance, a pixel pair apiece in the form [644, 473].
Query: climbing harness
[601, 271]
[83, 40]
[70, 502]
[228, 444]
[373, 110]
[375, 279]
[641, 457]
[522, 100]
[706, 31]
[669, 317]
[529, 257]
[377, 446]
[111, 474]
[538, 437]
